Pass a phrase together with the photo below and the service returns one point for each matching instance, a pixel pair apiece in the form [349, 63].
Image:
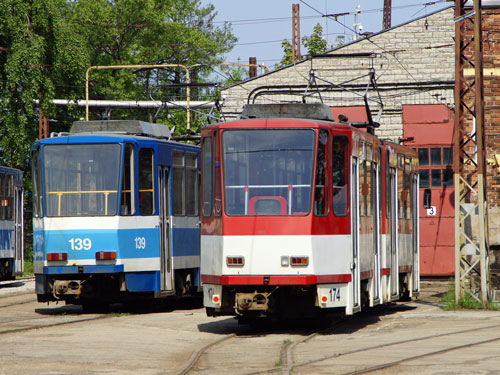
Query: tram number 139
[140, 242]
[80, 243]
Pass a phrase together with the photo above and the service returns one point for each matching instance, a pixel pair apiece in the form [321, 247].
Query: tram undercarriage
[106, 288]
[283, 302]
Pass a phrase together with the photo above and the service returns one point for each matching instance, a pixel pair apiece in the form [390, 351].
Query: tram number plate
[209, 291]
[332, 295]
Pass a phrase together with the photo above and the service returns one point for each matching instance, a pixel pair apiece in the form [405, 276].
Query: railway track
[437, 344]
[292, 365]
[15, 320]
[284, 344]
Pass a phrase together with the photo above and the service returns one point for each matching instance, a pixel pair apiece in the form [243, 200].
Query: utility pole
[387, 14]
[357, 26]
[295, 33]
[252, 69]
[43, 123]
[471, 204]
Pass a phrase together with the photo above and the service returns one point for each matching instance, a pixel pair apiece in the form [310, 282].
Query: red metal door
[429, 129]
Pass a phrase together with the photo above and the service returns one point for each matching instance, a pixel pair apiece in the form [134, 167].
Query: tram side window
[362, 188]
[340, 168]
[127, 205]
[178, 188]
[368, 176]
[9, 197]
[6, 200]
[217, 178]
[191, 184]
[407, 178]
[207, 176]
[146, 181]
[401, 191]
[320, 189]
[36, 168]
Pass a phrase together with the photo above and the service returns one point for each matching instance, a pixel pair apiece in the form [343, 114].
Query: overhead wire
[368, 38]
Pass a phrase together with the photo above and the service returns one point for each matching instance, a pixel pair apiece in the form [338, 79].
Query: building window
[436, 167]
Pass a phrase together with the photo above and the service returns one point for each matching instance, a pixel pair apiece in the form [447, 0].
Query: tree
[129, 32]
[40, 56]
[315, 43]
[46, 47]
[287, 54]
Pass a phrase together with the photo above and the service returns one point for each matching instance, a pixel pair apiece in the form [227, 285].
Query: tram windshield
[81, 180]
[268, 171]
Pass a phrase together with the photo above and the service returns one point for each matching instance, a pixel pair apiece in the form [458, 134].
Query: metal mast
[295, 33]
[471, 206]
[387, 14]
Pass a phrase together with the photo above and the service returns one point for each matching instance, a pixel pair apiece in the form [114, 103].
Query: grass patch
[467, 302]
[28, 268]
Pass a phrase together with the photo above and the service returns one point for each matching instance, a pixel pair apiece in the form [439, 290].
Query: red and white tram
[301, 213]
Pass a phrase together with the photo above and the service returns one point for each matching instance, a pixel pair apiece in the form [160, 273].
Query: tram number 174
[334, 294]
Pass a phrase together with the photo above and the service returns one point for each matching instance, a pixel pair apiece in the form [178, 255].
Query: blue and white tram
[11, 223]
[115, 214]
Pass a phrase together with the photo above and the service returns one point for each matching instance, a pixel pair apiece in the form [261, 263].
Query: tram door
[165, 225]
[355, 233]
[19, 230]
[376, 232]
[415, 234]
[393, 186]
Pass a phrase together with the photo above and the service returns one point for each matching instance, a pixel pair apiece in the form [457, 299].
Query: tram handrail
[290, 188]
[105, 192]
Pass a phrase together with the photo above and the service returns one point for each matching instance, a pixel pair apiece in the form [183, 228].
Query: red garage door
[429, 129]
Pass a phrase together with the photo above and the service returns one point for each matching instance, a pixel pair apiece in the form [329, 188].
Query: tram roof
[310, 114]
[18, 174]
[309, 111]
[129, 127]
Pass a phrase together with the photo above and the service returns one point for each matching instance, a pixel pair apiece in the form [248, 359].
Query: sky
[261, 25]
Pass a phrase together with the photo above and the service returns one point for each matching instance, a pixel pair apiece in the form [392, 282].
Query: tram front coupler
[253, 301]
[66, 287]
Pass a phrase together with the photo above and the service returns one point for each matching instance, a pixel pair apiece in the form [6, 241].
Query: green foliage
[287, 54]
[131, 32]
[28, 268]
[315, 43]
[39, 54]
[47, 46]
[235, 75]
